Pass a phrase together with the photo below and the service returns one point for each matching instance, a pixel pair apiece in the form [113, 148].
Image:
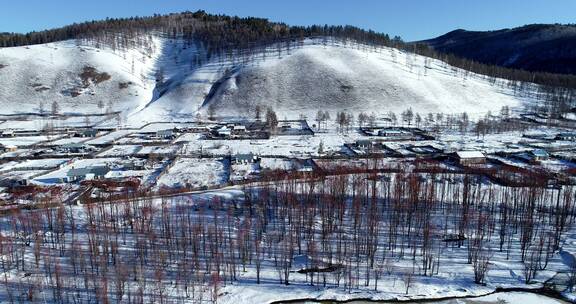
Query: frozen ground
[293, 146]
[496, 298]
[189, 172]
[283, 164]
[239, 172]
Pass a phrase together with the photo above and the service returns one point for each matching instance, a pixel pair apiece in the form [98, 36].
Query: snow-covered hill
[52, 72]
[300, 81]
[335, 78]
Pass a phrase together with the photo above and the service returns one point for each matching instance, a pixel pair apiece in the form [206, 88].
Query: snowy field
[276, 164]
[188, 172]
[292, 146]
[241, 172]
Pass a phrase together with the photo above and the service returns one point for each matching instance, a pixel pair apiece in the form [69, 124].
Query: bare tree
[408, 116]
[407, 278]
[101, 105]
[55, 108]
[211, 112]
[258, 112]
[480, 264]
[271, 119]
[362, 118]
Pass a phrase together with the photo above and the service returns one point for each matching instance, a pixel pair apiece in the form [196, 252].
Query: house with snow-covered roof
[364, 144]
[165, 134]
[89, 133]
[87, 173]
[539, 154]
[243, 159]
[238, 129]
[566, 136]
[224, 131]
[470, 157]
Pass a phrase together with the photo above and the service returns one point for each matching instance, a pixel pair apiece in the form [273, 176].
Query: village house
[134, 164]
[121, 175]
[470, 157]
[89, 133]
[243, 159]
[7, 133]
[13, 181]
[74, 148]
[364, 144]
[87, 173]
[38, 165]
[224, 131]
[532, 156]
[165, 134]
[196, 129]
[8, 148]
[566, 136]
[304, 165]
[238, 130]
[424, 150]
[539, 155]
[394, 133]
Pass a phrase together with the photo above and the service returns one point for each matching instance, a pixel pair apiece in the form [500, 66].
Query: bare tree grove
[354, 230]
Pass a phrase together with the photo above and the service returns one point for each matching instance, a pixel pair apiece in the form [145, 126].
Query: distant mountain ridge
[536, 48]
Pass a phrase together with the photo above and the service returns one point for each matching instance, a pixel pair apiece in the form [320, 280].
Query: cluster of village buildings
[74, 155]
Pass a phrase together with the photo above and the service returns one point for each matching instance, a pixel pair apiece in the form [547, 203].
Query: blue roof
[540, 153]
[248, 156]
[96, 170]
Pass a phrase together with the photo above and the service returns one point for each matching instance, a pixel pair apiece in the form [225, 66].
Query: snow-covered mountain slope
[302, 81]
[53, 72]
[338, 78]
[333, 78]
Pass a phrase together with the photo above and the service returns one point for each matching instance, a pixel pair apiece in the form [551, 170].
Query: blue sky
[411, 19]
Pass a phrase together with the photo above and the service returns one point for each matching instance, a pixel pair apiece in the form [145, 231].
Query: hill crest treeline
[218, 31]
